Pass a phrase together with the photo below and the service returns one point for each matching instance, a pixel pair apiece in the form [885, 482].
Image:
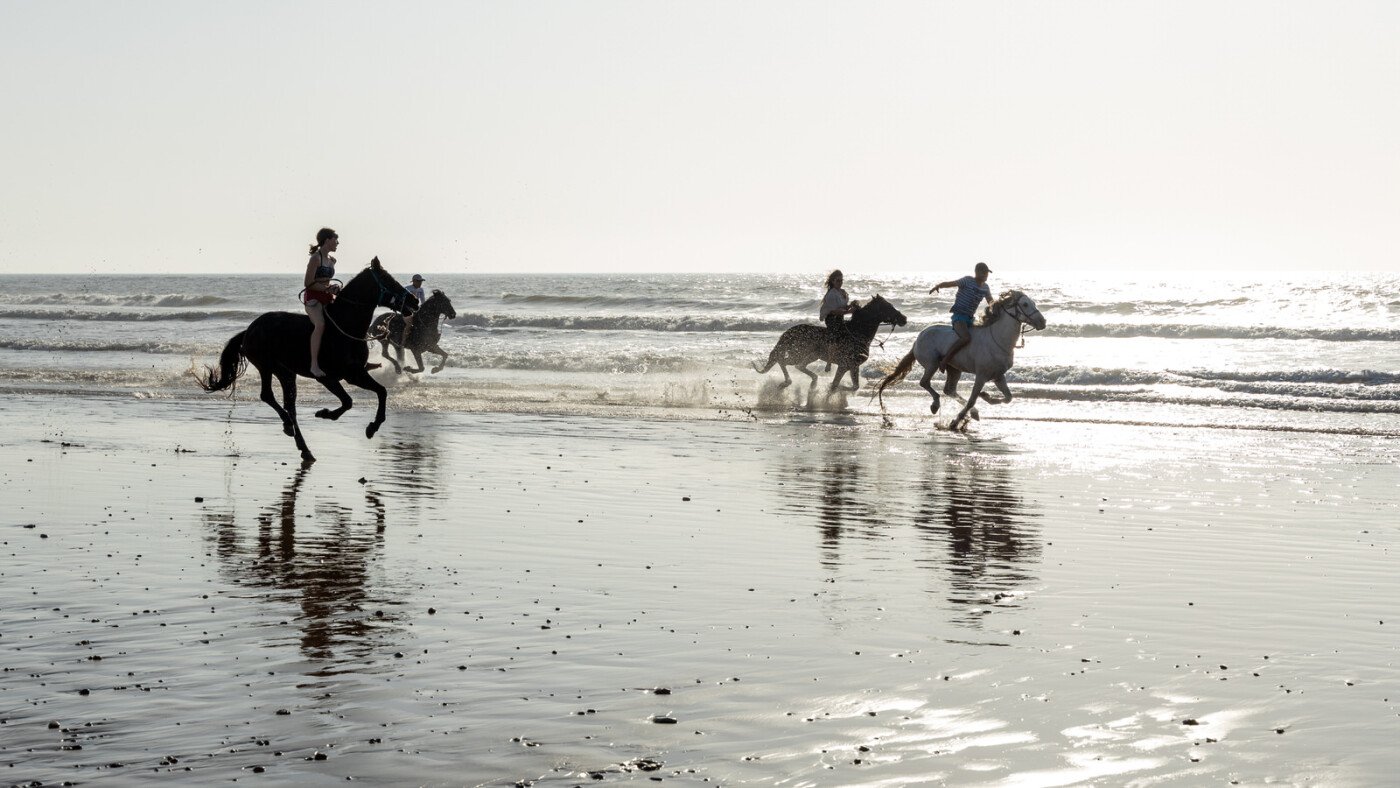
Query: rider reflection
[325, 568]
[971, 508]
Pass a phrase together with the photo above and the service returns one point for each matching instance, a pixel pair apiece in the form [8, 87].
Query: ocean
[1303, 353]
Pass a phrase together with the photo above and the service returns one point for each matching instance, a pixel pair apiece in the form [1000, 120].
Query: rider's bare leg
[315, 311]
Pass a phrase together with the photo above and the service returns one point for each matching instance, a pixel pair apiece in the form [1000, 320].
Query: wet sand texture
[487, 599]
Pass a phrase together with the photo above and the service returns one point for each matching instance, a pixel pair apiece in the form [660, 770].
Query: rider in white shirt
[416, 289]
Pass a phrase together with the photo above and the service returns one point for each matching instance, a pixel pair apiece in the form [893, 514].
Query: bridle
[395, 303]
[1015, 311]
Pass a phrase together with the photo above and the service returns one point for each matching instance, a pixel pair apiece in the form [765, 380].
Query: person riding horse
[836, 304]
[971, 291]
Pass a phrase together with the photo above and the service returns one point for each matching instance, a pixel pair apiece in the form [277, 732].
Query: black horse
[388, 329]
[847, 348]
[279, 344]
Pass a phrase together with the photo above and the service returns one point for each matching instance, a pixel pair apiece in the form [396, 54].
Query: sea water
[1313, 353]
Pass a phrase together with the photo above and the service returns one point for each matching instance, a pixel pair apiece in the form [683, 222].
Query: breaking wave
[1186, 331]
[132, 299]
[127, 317]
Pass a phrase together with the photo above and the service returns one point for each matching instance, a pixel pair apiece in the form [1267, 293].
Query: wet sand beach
[802, 599]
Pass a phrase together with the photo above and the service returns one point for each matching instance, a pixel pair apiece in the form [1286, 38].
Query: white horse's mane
[994, 310]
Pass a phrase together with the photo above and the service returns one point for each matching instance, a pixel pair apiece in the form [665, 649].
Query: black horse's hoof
[933, 408]
[371, 429]
[325, 413]
[306, 458]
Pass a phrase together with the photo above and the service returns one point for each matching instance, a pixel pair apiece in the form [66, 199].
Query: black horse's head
[386, 291]
[443, 304]
[881, 311]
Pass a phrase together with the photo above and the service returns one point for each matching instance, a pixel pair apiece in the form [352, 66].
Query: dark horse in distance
[847, 348]
[279, 345]
[425, 336]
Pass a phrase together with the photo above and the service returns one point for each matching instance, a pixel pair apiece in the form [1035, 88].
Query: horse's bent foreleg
[1000, 381]
[334, 387]
[289, 402]
[362, 379]
[436, 348]
[384, 351]
[417, 359]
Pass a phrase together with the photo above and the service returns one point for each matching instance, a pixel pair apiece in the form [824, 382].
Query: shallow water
[828, 602]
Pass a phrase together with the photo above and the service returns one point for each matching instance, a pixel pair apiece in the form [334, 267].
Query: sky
[656, 136]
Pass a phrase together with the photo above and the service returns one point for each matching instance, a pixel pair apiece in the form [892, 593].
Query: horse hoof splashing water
[278, 345]
[989, 355]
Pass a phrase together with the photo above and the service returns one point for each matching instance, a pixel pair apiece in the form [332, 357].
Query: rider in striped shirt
[971, 291]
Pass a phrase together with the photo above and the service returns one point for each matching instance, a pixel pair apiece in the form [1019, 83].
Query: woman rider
[835, 306]
[320, 291]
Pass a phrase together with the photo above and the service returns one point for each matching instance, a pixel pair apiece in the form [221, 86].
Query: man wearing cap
[971, 291]
[417, 290]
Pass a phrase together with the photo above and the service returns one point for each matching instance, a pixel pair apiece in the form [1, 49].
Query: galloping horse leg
[272, 400]
[384, 351]
[855, 378]
[960, 421]
[1000, 381]
[362, 379]
[950, 386]
[417, 359]
[927, 383]
[333, 386]
[436, 348]
[787, 379]
[289, 402]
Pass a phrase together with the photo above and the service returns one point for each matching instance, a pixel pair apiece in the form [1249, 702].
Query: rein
[395, 303]
[1025, 328]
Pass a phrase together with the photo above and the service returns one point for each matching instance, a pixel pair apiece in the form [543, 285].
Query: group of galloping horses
[277, 345]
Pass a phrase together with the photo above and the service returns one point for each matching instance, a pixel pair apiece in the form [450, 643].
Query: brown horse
[801, 345]
[279, 345]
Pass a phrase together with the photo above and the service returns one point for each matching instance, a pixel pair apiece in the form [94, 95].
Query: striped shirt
[970, 295]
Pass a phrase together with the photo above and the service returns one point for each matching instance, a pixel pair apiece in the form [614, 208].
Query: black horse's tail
[230, 367]
[900, 371]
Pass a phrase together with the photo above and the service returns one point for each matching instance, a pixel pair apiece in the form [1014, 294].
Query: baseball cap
[982, 267]
[419, 277]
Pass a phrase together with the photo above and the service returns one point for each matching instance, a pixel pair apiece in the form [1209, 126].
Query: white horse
[988, 356]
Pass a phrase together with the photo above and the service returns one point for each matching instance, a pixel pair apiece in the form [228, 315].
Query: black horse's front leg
[417, 359]
[362, 379]
[384, 351]
[436, 348]
[334, 387]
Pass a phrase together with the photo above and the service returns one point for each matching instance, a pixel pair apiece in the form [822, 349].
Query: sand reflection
[977, 531]
[969, 506]
[325, 565]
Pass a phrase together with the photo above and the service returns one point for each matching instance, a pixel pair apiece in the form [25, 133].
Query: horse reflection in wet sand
[325, 565]
[847, 350]
[989, 356]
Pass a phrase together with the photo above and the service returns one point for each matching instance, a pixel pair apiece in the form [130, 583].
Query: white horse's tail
[772, 359]
[899, 373]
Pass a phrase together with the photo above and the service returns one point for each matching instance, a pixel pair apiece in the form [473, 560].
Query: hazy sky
[697, 136]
